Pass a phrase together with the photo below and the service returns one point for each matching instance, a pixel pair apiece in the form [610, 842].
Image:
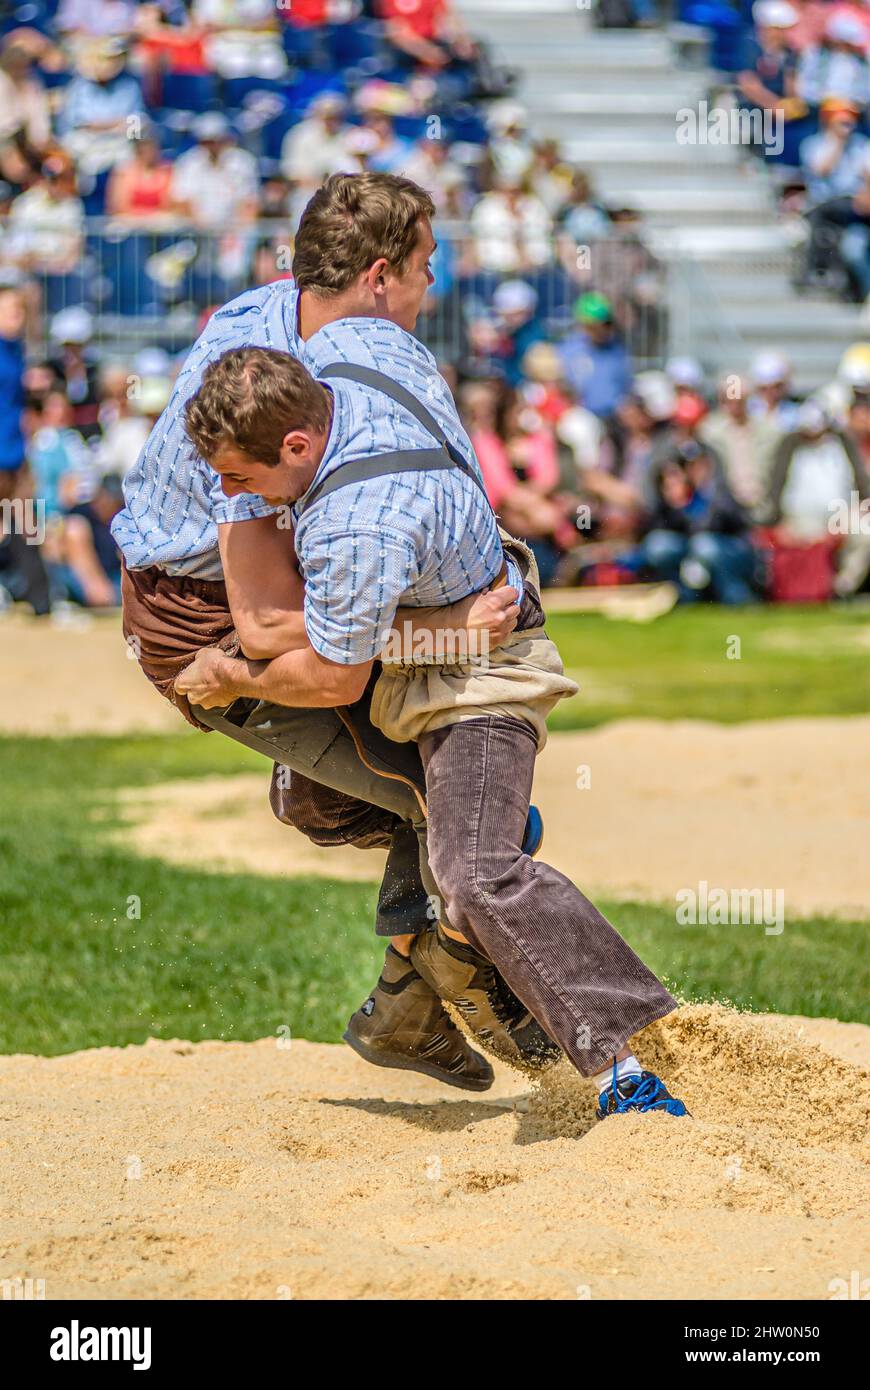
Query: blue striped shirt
[412, 540]
[174, 501]
[423, 539]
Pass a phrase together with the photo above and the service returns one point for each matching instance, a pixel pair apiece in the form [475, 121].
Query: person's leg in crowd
[855, 255]
[664, 552]
[853, 565]
[97, 589]
[556, 951]
[729, 561]
[23, 575]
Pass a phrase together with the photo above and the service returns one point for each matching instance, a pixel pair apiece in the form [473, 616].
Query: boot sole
[380, 1059]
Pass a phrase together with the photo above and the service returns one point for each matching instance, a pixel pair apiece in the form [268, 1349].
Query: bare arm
[264, 587]
[266, 593]
[300, 680]
[754, 90]
[403, 37]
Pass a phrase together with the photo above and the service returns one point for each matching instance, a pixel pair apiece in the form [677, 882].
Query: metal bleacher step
[611, 98]
[690, 206]
[829, 319]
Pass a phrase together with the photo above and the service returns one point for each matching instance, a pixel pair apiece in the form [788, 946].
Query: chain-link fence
[152, 284]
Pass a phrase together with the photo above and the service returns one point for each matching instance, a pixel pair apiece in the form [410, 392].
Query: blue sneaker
[637, 1093]
[534, 836]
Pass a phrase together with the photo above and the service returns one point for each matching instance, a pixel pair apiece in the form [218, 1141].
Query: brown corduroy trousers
[569, 966]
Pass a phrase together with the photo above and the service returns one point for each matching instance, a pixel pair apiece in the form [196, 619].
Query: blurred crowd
[155, 159]
[736, 492]
[806, 64]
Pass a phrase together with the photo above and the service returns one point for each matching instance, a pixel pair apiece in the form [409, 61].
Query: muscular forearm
[285, 631]
[276, 633]
[432, 621]
[298, 679]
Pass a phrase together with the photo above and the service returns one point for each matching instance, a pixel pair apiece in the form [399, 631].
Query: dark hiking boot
[404, 1024]
[500, 1022]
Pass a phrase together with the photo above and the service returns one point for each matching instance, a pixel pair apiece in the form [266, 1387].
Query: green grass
[793, 661]
[240, 956]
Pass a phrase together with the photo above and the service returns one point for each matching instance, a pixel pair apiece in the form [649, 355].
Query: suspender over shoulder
[446, 455]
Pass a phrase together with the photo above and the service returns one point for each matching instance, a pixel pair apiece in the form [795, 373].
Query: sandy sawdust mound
[775, 804]
[76, 679]
[255, 1171]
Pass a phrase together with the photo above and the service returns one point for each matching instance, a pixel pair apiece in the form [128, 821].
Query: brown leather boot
[404, 1024]
[499, 1020]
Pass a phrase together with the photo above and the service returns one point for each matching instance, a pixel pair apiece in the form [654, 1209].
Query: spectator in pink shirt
[519, 459]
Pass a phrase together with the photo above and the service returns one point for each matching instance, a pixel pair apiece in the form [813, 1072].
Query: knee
[705, 547]
[456, 886]
[663, 547]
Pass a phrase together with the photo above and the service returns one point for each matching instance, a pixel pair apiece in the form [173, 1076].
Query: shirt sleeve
[354, 582]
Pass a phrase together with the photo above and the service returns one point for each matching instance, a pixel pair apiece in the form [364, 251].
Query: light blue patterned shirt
[415, 540]
[174, 501]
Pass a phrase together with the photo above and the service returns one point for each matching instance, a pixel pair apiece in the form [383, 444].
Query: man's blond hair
[353, 221]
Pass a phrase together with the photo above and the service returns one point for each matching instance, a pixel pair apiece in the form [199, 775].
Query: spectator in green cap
[595, 360]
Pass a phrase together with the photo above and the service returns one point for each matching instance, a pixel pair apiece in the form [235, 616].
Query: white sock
[629, 1066]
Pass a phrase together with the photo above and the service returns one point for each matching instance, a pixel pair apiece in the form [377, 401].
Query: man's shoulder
[355, 531]
[256, 301]
[369, 342]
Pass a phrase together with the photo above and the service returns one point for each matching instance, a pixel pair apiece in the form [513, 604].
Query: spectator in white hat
[74, 362]
[818, 470]
[101, 107]
[215, 184]
[515, 305]
[510, 153]
[318, 146]
[745, 442]
[770, 374]
[685, 373]
[768, 80]
[838, 65]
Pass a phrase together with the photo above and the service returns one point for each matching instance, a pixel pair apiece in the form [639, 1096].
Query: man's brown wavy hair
[250, 398]
[353, 221]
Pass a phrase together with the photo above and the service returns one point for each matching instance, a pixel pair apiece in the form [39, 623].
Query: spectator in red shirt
[427, 31]
[140, 188]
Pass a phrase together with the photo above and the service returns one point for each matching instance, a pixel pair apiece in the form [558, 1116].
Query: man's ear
[296, 444]
[375, 275]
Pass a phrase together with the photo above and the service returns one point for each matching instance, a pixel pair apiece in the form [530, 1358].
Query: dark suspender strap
[362, 470]
[400, 460]
[379, 381]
